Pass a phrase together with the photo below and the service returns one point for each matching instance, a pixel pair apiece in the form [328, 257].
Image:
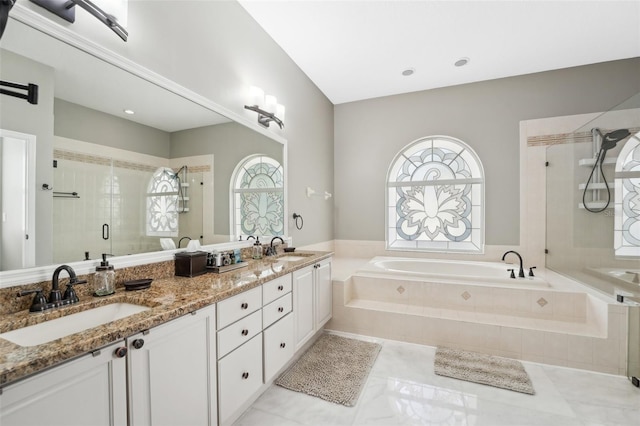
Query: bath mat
[485, 369]
[334, 369]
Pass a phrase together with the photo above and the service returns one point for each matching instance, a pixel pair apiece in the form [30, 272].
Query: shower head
[609, 140]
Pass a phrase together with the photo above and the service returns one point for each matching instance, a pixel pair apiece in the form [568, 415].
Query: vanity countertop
[168, 298]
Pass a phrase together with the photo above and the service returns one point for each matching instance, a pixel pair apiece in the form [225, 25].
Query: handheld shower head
[609, 140]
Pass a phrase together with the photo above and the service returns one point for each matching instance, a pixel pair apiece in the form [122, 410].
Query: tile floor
[402, 389]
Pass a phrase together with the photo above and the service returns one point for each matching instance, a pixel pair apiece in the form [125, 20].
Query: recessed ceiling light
[408, 72]
[461, 62]
[129, 111]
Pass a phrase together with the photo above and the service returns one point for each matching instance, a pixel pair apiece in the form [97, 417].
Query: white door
[324, 294]
[17, 200]
[172, 378]
[91, 390]
[303, 305]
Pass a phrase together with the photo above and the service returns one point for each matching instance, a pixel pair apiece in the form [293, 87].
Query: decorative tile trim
[199, 169]
[400, 289]
[60, 154]
[564, 138]
[542, 302]
[466, 295]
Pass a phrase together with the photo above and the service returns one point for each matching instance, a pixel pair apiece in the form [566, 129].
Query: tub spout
[521, 273]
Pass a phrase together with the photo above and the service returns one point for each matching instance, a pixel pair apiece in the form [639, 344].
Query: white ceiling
[354, 50]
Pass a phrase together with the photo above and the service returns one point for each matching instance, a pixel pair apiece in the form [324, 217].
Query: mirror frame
[40, 23]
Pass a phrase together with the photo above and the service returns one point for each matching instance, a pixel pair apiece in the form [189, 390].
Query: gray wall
[84, 124]
[229, 143]
[486, 115]
[216, 49]
[20, 116]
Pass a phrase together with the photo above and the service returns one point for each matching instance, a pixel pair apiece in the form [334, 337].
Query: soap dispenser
[257, 249]
[104, 281]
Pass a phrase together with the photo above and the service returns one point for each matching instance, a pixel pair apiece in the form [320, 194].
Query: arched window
[162, 204]
[435, 191]
[627, 200]
[258, 197]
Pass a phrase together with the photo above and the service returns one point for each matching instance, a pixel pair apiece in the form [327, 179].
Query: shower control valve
[531, 271]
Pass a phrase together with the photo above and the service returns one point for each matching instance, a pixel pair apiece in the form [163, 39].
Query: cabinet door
[91, 390]
[303, 305]
[172, 378]
[278, 346]
[324, 294]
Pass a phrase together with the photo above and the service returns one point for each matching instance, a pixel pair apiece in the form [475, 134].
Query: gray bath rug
[485, 369]
[335, 369]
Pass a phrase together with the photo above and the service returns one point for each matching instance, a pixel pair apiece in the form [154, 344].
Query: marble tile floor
[402, 389]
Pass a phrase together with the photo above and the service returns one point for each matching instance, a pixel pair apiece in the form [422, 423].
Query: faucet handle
[513, 274]
[70, 295]
[531, 271]
[39, 300]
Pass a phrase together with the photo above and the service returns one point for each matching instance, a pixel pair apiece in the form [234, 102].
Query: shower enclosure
[593, 208]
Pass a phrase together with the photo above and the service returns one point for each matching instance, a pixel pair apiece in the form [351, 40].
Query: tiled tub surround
[561, 324]
[169, 297]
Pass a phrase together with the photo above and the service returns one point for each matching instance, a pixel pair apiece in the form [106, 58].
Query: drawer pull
[245, 332]
[245, 375]
[282, 345]
[280, 288]
[138, 343]
[280, 309]
[244, 305]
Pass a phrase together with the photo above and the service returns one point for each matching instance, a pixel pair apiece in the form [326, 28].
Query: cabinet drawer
[274, 289]
[239, 333]
[239, 377]
[276, 310]
[239, 306]
[278, 346]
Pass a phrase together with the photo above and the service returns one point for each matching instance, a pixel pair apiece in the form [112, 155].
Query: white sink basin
[291, 258]
[53, 329]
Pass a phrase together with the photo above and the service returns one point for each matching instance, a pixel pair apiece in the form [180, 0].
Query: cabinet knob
[244, 305]
[280, 288]
[120, 352]
[282, 345]
[280, 309]
[245, 375]
[245, 332]
[138, 343]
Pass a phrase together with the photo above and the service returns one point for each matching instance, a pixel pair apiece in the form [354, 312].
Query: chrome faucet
[521, 273]
[271, 250]
[56, 298]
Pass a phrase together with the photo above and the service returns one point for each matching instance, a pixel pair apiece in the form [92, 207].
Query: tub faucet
[271, 250]
[521, 273]
[183, 238]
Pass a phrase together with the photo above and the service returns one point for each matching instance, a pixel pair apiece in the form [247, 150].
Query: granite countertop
[168, 298]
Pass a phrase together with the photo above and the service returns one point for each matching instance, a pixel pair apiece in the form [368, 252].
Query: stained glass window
[435, 191]
[258, 197]
[627, 200]
[162, 204]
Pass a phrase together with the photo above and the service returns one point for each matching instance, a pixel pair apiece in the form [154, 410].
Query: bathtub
[435, 270]
[476, 306]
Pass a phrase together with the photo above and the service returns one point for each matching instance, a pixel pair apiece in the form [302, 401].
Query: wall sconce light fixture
[267, 107]
[114, 17]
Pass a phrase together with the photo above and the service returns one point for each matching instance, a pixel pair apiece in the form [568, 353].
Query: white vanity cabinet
[90, 390]
[172, 375]
[312, 299]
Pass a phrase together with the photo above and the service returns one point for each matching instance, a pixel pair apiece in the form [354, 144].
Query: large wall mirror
[100, 172]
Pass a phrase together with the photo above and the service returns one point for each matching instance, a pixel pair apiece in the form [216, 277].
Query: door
[91, 390]
[17, 200]
[324, 294]
[303, 305]
[172, 373]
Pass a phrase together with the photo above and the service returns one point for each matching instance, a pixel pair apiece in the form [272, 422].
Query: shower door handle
[105, 231]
